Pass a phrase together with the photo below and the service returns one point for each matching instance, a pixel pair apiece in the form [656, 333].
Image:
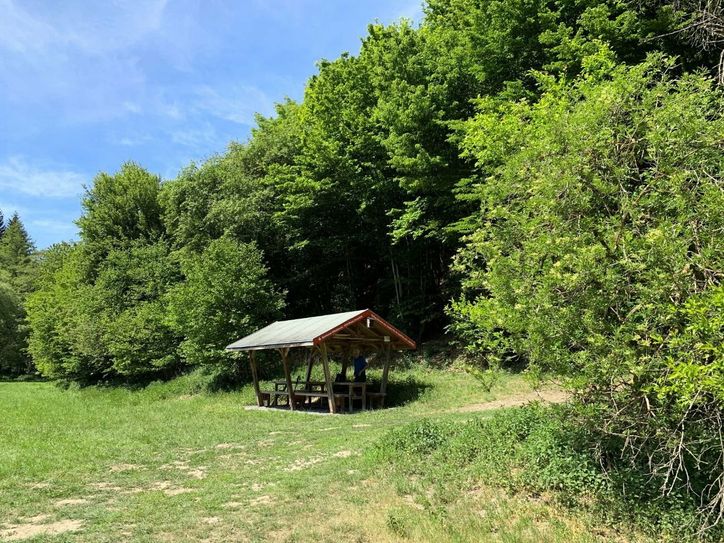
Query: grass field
[169, 463]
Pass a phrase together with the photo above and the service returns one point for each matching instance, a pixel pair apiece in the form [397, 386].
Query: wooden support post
[255, 378]
[385, 373]
[308, 377]
[328, 379]
[346, 357]
[288, 377]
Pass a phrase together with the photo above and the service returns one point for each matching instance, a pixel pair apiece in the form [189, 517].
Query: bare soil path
[552, 395]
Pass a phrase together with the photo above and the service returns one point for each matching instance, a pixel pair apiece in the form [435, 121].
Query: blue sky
[85, 86]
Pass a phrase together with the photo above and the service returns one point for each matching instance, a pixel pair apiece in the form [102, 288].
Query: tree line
[541, 179]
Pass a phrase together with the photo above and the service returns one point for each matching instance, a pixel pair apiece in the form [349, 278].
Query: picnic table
[317, 389]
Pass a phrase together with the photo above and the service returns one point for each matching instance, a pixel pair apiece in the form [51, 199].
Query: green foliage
[536, 451]
[131, 285]
[12, 359]
[16, 249]
[226, 294]
[16, 273]
[120, 208]
[598, 255]
[121, 305]
[695, 352]
[99, 311]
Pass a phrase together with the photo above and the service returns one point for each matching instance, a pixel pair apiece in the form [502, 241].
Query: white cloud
[130, 139]
[8, 208]
[20, 32]
[202, 138]
[54, 226]
[172, 111]
[132, 107]
[131, 142]
[19, 176]
[412, 11]
[238, 103]
[93, 28]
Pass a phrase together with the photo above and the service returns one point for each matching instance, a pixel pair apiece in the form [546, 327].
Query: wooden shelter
[338, 333]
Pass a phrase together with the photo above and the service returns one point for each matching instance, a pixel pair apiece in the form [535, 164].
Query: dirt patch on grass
[36, 527]
[304, 463]
[176, 464]
[106, 486]
[38, 486]
[262, 500]
[342, 454]
[544, 396]
[258, 487]
[70, 501]
[198, 472]
[115, 468]
[229, 446]
[169, 489]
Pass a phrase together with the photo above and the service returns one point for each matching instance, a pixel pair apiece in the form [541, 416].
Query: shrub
[534, 450]
[598, 255]
[225, 295]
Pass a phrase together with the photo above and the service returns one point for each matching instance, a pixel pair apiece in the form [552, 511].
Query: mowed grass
[170, 464]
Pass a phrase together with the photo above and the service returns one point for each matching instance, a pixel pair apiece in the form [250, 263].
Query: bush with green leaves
[225, 295]
[532, 450]
[120, 304]
[598, 255]
[12, 338]
[99, 311]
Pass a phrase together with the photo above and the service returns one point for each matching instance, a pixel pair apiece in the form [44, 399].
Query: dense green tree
[64, 327]
[16, 278]
[100, 311]
[130, 301]
[598, 255]
[13, 360]
[16, 249]
[371, 186]
[225, 294]
[121, 208]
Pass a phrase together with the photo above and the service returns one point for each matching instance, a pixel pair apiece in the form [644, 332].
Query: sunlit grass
[171, 463]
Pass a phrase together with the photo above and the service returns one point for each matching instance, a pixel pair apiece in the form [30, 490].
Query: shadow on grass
[22, 379]
[403, 391]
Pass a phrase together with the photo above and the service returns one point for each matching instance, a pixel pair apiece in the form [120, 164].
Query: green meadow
[173, 462]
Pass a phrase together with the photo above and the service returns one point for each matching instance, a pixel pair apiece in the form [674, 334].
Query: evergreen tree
[16, 249]
[15, 283]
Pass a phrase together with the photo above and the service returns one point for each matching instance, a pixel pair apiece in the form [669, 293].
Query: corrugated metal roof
[293, 333]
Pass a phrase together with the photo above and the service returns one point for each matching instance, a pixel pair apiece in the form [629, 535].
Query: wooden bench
[373, 399]
[301, 395]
